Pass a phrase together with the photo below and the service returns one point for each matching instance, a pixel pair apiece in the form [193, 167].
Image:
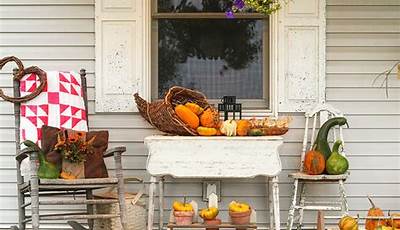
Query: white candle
[213, 200]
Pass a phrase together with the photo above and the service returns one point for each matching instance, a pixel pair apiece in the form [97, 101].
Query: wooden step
[81, 201]
[223, 225]
[319, 207]
[72, 216]
[76, 217]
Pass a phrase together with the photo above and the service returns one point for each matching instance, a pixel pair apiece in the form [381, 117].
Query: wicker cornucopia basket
[161, 113]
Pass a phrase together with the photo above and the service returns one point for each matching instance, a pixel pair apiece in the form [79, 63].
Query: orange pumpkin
[209, 118]
[187, 116]
[314, 163]
[371, 224]
[195, 108]
[204, 131]
[394, 223]
[67, 176]
[243, 127]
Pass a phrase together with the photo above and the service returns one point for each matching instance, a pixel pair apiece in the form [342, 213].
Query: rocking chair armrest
[24, 153]
[112, 151]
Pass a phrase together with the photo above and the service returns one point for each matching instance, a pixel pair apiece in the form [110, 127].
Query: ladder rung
[71, 216]
[322, 203]
[321, 207]
[66, 202]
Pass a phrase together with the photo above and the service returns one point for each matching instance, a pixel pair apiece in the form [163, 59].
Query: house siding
[363, 39]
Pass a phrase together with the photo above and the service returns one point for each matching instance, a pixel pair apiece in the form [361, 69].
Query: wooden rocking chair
[300, 178]
[36, 188]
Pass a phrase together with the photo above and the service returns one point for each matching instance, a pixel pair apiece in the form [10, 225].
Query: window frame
[251, 106]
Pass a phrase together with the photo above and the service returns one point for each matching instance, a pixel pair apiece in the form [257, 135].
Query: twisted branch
[19, 75]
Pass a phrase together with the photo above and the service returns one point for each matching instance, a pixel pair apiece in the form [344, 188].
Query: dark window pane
[217, 57]
[192, 6]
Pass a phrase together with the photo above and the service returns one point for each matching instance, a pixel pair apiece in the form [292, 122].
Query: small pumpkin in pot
[371, 224]
[348, 223]
[314, 163]
[209, 213]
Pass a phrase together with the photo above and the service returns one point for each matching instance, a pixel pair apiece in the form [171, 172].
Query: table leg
[161, 201]
[270, 204]
[275, 194]
[150, 218]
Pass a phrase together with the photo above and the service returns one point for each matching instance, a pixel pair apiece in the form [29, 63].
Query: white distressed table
[213, 157]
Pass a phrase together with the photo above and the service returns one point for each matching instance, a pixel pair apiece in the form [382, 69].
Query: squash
[314, 162]
[195, 108]
[394, 223]
[336, 163]
[228, 128]
[256, 132]
[243, 127]
[47, 169]
[209, 118]
[209, 213]
[182, 207]
[321, 142]
[371, 224]
[204, 131]
[187, 116]
[348, 223]
[383, 227]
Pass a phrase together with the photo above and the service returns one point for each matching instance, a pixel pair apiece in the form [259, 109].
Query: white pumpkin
[228, 128]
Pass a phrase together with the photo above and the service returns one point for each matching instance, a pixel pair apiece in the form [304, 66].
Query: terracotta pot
[183, 217]
[212, 222]
[240, 218]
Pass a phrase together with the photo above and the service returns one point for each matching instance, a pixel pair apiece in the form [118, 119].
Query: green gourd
[256, 132]
[321, 142]
[46, 169]
[336, 163]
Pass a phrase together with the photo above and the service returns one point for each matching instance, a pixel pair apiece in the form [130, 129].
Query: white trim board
[123, 55]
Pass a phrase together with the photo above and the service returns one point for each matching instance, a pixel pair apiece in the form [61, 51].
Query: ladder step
[321, 207]
[76, 217]
[73, 216]
[82, 201]
[322, 203]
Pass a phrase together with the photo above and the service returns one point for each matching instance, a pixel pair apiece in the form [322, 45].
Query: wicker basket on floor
[135, 207]
[161, 113]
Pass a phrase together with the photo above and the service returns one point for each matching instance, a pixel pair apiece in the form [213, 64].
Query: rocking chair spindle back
[36, 188]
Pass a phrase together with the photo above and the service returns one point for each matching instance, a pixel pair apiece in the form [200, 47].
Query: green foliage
[264, 6]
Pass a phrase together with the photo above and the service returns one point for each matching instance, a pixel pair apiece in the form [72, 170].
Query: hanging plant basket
[265, 7]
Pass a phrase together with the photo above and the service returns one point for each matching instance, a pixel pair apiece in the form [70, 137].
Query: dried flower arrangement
[74, 147]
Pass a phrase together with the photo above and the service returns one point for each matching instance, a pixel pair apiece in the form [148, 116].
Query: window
[196, 46]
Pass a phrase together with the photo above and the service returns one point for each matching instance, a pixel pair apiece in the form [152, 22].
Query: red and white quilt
[60, 105]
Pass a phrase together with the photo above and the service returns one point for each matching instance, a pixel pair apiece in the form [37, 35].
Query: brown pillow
[94, 162]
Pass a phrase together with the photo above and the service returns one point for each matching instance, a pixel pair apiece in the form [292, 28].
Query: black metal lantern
[229, 105]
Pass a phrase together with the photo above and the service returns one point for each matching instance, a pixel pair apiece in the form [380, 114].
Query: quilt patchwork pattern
[60, 105]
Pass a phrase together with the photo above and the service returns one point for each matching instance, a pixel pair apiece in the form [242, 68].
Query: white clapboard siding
[363, 39]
